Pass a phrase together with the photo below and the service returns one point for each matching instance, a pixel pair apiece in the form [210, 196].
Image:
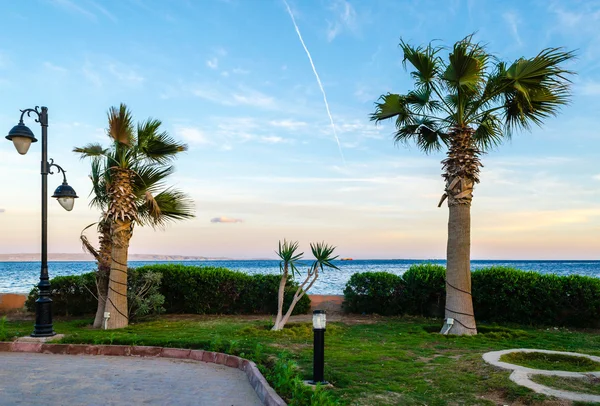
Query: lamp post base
[43, 318]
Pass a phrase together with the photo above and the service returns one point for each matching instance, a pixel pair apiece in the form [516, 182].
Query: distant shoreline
[88, 258]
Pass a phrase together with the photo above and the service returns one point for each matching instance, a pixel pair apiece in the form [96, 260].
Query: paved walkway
[99, 380]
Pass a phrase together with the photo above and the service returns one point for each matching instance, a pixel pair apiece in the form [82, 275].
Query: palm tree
[172, 205]
[470, 102]
[128, 186]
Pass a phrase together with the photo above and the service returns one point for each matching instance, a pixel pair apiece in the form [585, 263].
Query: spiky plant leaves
[287, 253]
[323, 254]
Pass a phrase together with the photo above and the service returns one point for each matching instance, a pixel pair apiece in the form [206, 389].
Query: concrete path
[99, 380]
[521, 375]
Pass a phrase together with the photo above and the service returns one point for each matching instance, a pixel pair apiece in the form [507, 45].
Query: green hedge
[70, 295]
[500, 294]
[187, 289]
[374, 292]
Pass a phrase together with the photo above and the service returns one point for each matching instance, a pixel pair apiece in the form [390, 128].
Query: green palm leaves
[146, 151]
[323, 254]
[472, 89]
[287, 253]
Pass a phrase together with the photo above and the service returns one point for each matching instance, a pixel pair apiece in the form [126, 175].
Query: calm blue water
[18, 277]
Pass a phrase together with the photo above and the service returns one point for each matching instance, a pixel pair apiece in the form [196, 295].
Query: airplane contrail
[318, 81]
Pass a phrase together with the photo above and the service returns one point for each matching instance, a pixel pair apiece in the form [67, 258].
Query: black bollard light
[319, 324]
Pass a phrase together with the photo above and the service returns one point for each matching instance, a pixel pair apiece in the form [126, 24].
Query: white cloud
[589, 88]
[103, 70]
[240, 71]
[242, 96]
[254, 98]
[289, 124]
[597, 177]
[2, 210]
[512, 19]
[213, 63]
[53, 67]
[73, 8]
[224, 219]
[192, 135]
[125, 74]
[91, 74]
[345, 19]
[272, 139]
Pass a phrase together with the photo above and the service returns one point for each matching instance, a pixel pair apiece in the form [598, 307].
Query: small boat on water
[345, 259]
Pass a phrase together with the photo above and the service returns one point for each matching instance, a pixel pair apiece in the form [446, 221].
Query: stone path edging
[521, 375]
[262, 388]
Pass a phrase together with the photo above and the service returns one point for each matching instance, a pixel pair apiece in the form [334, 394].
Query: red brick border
[265, 393]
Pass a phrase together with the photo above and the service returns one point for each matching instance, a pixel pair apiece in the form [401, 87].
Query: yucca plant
[128, 187]
[287, 254]
[323, 254]
[470, 102]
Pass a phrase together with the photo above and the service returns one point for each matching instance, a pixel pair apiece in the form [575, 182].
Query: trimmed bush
[424, 290]
[510, 295]
[214, 290]
[187, 289]
[70, 295]
[500, 294]
[374, 292]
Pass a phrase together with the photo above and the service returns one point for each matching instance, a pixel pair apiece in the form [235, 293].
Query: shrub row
[187, 289]
[500, 294]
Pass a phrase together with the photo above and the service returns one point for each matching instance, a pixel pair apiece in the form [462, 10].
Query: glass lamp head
[319, 320]
[22, 137]
[66, 196]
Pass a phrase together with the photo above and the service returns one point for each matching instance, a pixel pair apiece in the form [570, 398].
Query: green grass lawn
[369, 361]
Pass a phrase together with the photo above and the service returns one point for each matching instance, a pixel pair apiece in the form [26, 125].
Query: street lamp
[22, 137]
[319, 324]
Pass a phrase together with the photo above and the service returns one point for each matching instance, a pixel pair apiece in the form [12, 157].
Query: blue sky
[232, 79]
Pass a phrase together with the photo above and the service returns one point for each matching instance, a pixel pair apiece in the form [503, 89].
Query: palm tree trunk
[461, 174]
[116, 303]
[122, 212]
[103, 273]
[459, 304]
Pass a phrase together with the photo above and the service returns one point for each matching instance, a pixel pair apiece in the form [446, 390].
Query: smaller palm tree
[128, 186]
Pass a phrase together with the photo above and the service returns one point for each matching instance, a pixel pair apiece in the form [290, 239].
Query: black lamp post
[319, 324]
[22, 137]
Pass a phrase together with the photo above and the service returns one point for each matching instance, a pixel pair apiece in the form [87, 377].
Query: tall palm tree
[129, 189]
[470, 102]
[149, 187]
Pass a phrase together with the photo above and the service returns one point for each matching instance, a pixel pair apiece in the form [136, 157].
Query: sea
[20, 277]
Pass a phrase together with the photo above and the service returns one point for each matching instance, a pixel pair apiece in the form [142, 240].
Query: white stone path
[521, 375]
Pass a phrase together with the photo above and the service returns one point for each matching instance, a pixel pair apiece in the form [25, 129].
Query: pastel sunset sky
[232, 79]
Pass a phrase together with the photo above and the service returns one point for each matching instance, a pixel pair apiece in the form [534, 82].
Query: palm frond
[120, 125]
[537, 88]
[393, 105]
[489, 133]
[425, 61]
[90, 150]
[425, 132]
[467, 66]
[150, 177]
[157, 146]
[173, 205]
[422, 102]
